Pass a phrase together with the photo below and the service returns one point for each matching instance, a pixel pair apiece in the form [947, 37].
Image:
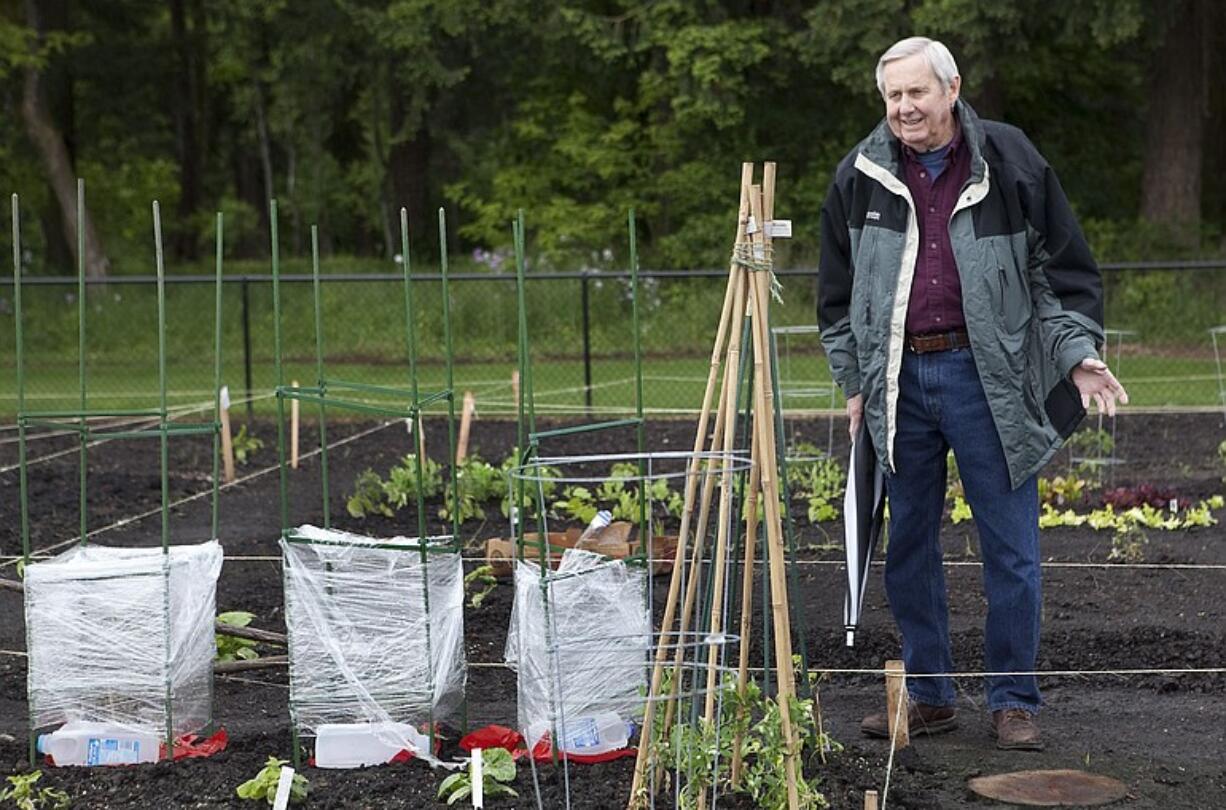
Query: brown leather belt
[940, 342]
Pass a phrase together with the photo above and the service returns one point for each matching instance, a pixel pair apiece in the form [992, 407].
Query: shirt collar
[954, 145]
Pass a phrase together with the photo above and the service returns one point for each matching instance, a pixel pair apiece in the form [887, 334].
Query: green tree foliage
[346, 110]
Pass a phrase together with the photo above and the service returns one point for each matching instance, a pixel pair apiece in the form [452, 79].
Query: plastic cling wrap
[584, 653]
[111, 630]
[363, 648]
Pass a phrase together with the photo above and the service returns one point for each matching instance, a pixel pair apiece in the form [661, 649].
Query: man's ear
[955, 87]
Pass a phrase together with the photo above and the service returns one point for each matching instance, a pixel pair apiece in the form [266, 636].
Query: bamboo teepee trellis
[745, 317]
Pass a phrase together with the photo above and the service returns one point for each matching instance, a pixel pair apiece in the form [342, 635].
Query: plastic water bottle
[592, 533]
[356, 745]
[81, 743]
[593, 734]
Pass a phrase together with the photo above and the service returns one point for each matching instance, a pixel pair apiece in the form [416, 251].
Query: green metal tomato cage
[83, 421]
[395, 402]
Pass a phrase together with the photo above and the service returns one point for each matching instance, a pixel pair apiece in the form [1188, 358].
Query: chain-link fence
[1166, 338]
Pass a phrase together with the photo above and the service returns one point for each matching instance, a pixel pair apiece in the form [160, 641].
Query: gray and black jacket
[1031, 292]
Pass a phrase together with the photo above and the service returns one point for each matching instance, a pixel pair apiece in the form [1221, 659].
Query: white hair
[935, 54]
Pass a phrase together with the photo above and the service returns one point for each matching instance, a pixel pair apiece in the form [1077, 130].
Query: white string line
[114, 422]
[1104, 566]
[1051, 673]
[206, 493]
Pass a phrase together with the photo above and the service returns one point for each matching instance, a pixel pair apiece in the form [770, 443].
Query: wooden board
[1061, 788]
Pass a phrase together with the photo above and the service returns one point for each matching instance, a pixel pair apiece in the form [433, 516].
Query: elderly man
[960, 309]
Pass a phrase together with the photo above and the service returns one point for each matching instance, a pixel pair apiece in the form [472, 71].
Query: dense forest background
[345, 110]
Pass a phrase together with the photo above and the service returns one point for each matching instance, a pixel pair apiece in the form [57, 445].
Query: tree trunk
[1171, 185]
[188, 140]
[48, 141]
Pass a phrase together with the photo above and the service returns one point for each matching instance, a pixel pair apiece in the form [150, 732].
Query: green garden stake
[319, 377]
[82, 434]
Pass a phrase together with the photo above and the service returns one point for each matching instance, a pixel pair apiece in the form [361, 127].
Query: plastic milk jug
[593, 734]
[356, 745]
[81, 743]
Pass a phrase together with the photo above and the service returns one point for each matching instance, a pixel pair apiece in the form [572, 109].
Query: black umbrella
[863, 518]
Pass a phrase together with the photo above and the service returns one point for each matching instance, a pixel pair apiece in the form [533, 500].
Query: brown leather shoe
[921, 719]
[1016, 730]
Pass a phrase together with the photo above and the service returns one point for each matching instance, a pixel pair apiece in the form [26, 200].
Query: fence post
[587, 343]
[247, 355]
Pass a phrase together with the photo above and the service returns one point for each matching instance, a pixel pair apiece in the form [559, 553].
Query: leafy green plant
[230, 648]
[482, 581]
[694, 749]
[544, 489]
[1063, 490]
[961, 510]
[620, 492]
[818, 479]
[369, 496]
[1091, 442]
[577, 504]
[21, 792]
[245, 445]
[1128, 544]
[264, 784]
[498, 769]
[401, 486]
[478, 483]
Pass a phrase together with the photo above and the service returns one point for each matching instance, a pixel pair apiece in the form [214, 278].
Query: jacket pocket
[1012, 294]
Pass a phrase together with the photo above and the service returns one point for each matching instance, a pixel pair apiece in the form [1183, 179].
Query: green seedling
[230, 648]
[245, 445]
[482, 581]
[22, 793]
[264, 784]
[369, 497]
[497, 771]
[478, 483]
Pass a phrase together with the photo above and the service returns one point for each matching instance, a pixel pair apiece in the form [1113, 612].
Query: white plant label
[752, 226]
[225, 397]
[281, 801]
[780, 228]
[478, 775]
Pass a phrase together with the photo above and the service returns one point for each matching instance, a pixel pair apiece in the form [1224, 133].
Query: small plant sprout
[245, 445]
[264, 784]
[481, 582]
[497, 772]
[231, 648]
[368, 496]
[24, 796]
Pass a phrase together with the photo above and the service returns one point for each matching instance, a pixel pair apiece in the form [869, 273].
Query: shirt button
[932, 209]
[923, 174]
[932, 245]
[934, 281]
[938, 319]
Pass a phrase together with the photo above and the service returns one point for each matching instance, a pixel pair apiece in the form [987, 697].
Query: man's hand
[1095, 382]
[855, 412]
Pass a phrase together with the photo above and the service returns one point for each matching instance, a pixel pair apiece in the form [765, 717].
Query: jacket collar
[884, 149]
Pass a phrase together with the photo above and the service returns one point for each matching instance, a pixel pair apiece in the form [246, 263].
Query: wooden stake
[897, 710]
[747, 572]
[870, 800]
[466, 421]
[293, 430]
[227, 439]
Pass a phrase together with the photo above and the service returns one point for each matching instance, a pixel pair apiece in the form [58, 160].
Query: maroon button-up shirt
[936, 291]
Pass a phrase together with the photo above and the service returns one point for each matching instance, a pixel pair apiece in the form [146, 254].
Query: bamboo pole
[727, 315]
[751, 541]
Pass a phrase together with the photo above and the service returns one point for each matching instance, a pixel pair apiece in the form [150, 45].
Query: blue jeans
[941, 405]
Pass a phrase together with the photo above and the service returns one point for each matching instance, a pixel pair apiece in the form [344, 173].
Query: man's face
[918, 109]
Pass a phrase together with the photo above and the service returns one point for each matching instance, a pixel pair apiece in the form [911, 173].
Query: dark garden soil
[1163, 735]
